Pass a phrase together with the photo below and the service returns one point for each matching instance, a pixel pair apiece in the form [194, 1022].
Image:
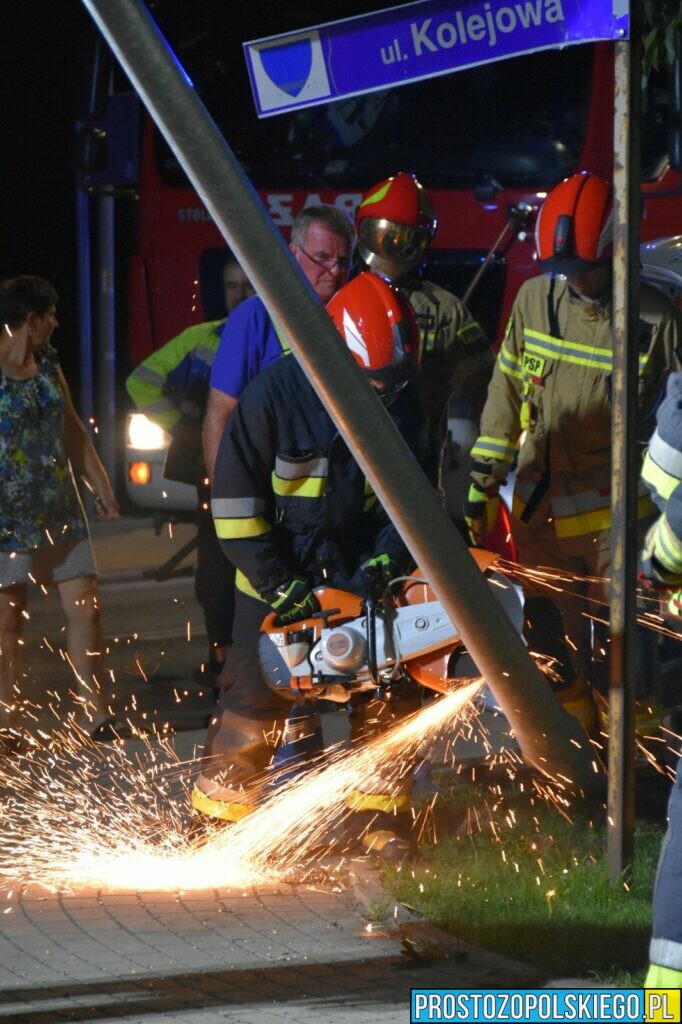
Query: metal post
[106, 337]
[624, 467]
[550, 739]
[85, 405]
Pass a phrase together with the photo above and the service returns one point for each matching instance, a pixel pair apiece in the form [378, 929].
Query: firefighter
[293, 511]
[662, 569]
[549, 405]
[396, 223]
[171, 388]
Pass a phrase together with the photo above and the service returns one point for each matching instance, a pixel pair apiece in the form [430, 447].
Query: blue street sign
[415, 41]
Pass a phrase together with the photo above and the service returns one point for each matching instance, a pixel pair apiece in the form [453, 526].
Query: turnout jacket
[455, 359]
[288, 498]
[662, 473]
[551, 394]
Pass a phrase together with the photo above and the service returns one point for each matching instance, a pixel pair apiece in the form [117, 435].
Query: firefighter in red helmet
[549, 406]
[396, 223]
[293, 511]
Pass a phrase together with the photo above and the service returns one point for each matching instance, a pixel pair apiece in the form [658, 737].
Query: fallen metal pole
[624, 458]
[550, 739]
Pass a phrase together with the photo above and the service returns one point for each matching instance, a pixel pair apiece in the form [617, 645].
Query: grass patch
[533, 885]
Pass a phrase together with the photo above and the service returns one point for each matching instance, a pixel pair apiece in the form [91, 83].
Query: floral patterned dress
[39, 502]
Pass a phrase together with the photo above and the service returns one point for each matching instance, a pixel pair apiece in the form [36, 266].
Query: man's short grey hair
[331, 217]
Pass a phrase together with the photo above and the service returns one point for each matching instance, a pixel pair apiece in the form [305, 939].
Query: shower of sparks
[76, 814]
[87, 816]
[561, 582]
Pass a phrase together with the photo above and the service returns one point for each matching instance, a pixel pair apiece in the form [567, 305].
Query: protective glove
[480, 512]
[294, 601]
[378, 572]
[674, 606]
[651, 572]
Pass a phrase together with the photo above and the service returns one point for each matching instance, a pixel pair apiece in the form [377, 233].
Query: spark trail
[89, 817]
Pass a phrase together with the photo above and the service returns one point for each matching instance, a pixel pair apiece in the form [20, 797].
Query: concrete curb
[426, 942]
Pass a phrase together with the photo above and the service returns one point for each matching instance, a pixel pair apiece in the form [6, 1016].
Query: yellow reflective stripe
[303, 487]
[646, 719]
[237, 529]
[664, 978]
[667, 548]
[498, 448]
[568, 351]
[377, 196]
[357, 801]
[471, 326]
[592, 521]
[243, 585]
[222, 809]
[509, 364]
[573, 351]
[657, 479]
[370, 496]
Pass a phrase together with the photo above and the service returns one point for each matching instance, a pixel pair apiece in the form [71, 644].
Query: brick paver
[266, 955]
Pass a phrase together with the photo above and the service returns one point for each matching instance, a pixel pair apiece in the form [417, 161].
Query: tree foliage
[662, 20]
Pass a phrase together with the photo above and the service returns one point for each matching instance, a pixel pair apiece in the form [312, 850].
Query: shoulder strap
[552, 318]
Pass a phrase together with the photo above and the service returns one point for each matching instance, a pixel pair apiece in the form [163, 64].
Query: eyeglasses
[328, 262]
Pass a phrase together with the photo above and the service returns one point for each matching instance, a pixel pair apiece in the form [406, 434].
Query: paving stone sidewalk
[257, 957]
[266, 955]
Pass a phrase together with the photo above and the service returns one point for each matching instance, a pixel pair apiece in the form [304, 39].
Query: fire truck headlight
[145, 435]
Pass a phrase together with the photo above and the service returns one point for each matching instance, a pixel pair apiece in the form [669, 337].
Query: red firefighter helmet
[379, 327]
[574, 229]
[395, 222]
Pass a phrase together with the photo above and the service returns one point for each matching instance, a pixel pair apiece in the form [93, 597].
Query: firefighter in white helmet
[549, 405]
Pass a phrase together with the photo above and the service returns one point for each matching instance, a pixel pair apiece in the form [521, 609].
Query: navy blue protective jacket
[288, 498]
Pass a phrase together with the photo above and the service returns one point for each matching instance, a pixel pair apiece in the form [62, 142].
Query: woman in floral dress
[44, 535]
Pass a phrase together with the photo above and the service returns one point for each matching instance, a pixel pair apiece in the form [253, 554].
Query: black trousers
[214, 583]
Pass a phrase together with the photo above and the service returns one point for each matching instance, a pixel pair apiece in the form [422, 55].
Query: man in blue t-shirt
[322, 242]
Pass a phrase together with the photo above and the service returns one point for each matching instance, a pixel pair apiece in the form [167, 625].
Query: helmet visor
[400, 244]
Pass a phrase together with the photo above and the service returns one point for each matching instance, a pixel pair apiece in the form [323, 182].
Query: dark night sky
[37, 196]
[39, 79]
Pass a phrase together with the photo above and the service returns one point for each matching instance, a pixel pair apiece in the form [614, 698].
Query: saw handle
[370, 610]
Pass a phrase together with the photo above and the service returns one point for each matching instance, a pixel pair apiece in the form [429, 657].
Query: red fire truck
[484, 141]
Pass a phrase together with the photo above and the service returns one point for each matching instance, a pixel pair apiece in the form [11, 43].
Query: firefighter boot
[301, 745]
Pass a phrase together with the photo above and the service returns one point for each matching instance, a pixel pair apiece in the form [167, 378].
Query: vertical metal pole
[85, 404]
[106, 337]
[625, 468]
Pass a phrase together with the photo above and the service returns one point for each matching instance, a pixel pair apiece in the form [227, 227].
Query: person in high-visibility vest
[170, 387]
[549, 407]
[661, 567]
